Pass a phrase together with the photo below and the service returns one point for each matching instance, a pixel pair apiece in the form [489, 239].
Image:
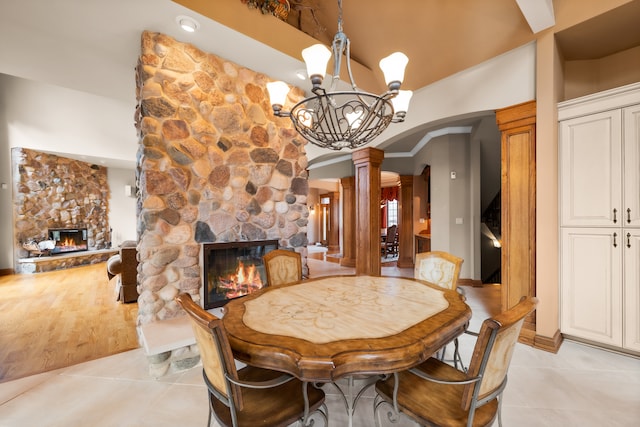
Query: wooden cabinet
[631, 167]
[631, 292]
[591, 165]
[422, 243]
[591, 290]
[599, 160]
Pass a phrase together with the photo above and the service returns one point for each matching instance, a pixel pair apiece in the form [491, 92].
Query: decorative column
[367, 162]
[348, 222]
[405, 215]
[333, 235]
[518, 126]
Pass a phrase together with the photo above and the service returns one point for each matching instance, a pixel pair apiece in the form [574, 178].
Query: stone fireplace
[232, 270]
[54, 194]
[214, 165]
[68, 240]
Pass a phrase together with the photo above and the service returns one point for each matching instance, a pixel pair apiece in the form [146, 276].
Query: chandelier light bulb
[277, 94]
[393, 68]
[316, 57]
[353, 118]
[401, 102]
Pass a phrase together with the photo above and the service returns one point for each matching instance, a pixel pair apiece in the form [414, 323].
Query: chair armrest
[282, 379]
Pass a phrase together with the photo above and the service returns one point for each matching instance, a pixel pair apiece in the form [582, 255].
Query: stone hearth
[63, 261]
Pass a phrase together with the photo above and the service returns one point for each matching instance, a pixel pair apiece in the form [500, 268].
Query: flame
[67, 242]
[244, 281]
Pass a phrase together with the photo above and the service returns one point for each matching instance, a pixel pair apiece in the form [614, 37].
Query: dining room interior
[471, 168]
[579, 385]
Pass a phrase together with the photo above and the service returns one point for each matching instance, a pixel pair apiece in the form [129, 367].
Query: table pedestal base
[350, 395]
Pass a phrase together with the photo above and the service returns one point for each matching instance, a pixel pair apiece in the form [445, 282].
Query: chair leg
[456, 356]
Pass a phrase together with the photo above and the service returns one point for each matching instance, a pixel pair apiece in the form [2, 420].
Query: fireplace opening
[232, 270]
[68, 240]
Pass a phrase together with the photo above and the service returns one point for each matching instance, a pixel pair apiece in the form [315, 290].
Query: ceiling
[92, 46]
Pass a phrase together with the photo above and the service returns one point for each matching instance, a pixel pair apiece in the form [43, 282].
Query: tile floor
[579, 386]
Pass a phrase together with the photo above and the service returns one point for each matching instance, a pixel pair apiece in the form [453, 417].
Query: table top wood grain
[331, 327]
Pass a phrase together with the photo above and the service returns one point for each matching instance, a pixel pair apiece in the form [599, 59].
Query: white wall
[451, 198]
[71, 124]
[57, 120]
[122, 208]
[6, 206]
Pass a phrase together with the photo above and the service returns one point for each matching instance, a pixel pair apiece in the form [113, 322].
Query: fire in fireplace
[68, 240]
[232, 270]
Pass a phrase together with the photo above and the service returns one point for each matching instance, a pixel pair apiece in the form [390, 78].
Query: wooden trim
[548, 344]
[516, 116]
[476, 283]
[7, 271]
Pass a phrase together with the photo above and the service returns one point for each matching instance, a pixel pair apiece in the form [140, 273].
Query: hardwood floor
[60, 318]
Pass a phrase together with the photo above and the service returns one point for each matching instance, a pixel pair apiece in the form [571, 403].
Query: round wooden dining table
[324, 329]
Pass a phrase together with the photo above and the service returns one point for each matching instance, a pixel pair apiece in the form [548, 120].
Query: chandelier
[336, 119]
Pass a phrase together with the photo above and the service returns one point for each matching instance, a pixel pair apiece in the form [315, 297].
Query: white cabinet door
[631, 161]
[591, 165]
[591, 296]
[631, 251]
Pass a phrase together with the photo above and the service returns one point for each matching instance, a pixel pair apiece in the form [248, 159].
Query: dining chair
[282, 267]
[437, 394]
[442, 269]
[249, 396]
[388, 245]
[438, 267]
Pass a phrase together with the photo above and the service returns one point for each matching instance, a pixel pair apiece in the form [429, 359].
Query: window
[392, 213]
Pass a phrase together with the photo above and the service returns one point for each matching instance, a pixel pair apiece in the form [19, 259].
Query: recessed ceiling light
[301, 74]
[187, 23]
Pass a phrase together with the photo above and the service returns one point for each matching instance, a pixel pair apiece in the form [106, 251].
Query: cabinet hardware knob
[629, 240]
[615, 212]
[615, 243]
[628, 215]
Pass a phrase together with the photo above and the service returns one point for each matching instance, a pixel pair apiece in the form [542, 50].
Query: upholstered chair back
[493, 350]
[282, 267]
[439, 268]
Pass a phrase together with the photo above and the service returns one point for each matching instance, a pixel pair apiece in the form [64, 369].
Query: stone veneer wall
[56, 192]
[214, 165]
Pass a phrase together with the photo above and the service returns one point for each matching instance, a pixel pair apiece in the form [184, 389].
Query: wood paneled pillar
[518, 127]
[348, 222]
[334, 223]
[367, 162]
[405, 215]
